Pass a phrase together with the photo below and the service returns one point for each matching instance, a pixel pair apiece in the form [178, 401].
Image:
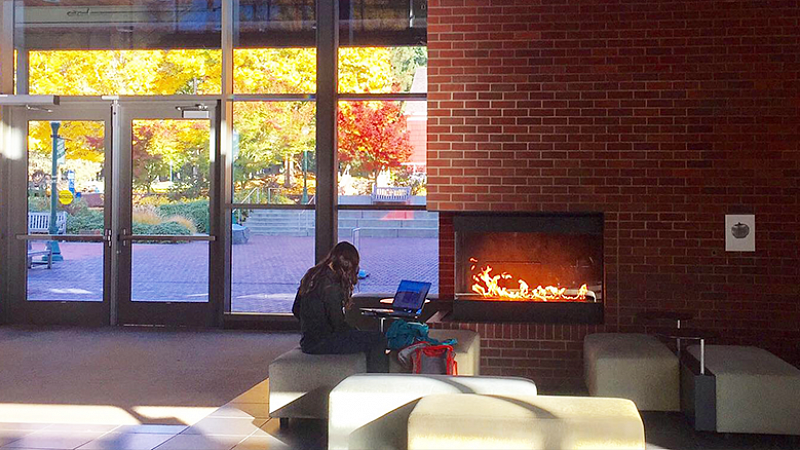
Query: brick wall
[665, 115]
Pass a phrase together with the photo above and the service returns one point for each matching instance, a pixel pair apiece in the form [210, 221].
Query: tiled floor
[242, 424]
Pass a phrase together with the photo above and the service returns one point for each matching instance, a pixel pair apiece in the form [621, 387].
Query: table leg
[702, 356]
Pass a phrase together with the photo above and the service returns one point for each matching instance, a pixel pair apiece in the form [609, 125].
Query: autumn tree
[270, 133]
[373, 136]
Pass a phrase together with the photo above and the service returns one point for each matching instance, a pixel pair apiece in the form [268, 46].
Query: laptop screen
[411, 294]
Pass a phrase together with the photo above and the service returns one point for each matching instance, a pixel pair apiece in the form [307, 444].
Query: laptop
[408, 300]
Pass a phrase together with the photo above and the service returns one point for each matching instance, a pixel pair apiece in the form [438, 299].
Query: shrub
[146, 215]
[38, 204]
[186, 222]
[196, 210]
[88, 220]
[165, 228]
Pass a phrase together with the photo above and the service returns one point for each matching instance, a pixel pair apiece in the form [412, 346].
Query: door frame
[14, 307]
[171, 313]
[19, 309]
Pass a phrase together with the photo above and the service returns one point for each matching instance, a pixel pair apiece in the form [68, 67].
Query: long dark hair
[343, 260]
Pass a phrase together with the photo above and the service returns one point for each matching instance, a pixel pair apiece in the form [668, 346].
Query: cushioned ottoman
[468, 351]
[370, 411]
[633, 366]
[469, 421]
[756, 392]
[299, 383]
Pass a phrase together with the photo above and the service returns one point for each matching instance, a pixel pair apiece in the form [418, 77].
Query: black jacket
[320, 310]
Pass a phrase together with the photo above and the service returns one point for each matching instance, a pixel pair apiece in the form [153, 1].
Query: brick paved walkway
[265, 272]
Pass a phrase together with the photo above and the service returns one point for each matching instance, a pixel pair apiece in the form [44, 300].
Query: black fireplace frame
[473, 310]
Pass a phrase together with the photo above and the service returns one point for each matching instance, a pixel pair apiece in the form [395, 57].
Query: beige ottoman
[468, 351]
[299, 383]
[469, 421]
[638, 367]
[370, 411]
[756, 392]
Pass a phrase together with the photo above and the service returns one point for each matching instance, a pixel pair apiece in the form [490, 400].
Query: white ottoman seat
[467, 348]
[638, 367]
[756, 392]
[469, 421]
[370, 411]
[299, 383]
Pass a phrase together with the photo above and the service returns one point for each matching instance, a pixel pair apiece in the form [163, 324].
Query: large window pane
[383, 69]
[274, 47]
[65, 271]
[394, 246]
[383, 46]
[170, 174]
[382, 152]
[125, 72]
[170, 272]
[272, 249]
[274, 70]
[136, 47]
[274, 159]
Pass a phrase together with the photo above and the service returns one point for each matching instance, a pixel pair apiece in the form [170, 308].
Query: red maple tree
[373, 136]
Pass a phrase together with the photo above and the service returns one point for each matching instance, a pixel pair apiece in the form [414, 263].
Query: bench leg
[284, 423]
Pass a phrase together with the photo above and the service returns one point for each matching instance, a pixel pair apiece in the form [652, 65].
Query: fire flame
[488, 286]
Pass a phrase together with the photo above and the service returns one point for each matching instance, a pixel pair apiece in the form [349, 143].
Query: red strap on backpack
[436, 351]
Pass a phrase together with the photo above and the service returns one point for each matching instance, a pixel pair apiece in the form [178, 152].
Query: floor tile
[198, 442]
[23, 426]
[79, 428]
[7, 437]
[126, 441]
[231, 426]
[56, 440]
[262, 443]
[152, 429]
[258, 410]
[257, 394]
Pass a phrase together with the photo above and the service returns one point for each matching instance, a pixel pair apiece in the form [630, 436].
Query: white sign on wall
[740, 233]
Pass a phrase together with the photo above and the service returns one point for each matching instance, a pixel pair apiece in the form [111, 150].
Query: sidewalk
[265, 272]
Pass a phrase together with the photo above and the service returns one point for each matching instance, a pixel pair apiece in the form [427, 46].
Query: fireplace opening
[529, 267]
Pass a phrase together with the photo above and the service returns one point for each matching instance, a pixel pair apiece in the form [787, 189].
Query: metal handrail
[247, 197]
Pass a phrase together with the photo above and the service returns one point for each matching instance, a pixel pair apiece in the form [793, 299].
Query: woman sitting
[325, 291]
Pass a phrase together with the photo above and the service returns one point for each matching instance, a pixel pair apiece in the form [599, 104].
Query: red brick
[665, 116]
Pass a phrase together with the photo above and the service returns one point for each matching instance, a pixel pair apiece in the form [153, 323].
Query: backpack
[435, 359]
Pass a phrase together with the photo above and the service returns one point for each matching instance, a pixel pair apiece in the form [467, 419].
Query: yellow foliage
[147, 214]
[185, 221]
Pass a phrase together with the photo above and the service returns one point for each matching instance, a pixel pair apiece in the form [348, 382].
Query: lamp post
[53, 229]
[305, 177]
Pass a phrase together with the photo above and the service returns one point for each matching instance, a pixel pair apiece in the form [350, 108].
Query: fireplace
[529, 267]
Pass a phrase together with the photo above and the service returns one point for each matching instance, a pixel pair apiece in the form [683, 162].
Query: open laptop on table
[407, 303]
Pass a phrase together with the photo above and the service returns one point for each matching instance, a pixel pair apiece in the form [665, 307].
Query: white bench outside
[390, 194]
[39, 222]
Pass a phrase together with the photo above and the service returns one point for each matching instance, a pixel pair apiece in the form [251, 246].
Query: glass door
[59, 158]
[165, 173]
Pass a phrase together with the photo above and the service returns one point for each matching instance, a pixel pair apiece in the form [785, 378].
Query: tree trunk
[287, 172]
